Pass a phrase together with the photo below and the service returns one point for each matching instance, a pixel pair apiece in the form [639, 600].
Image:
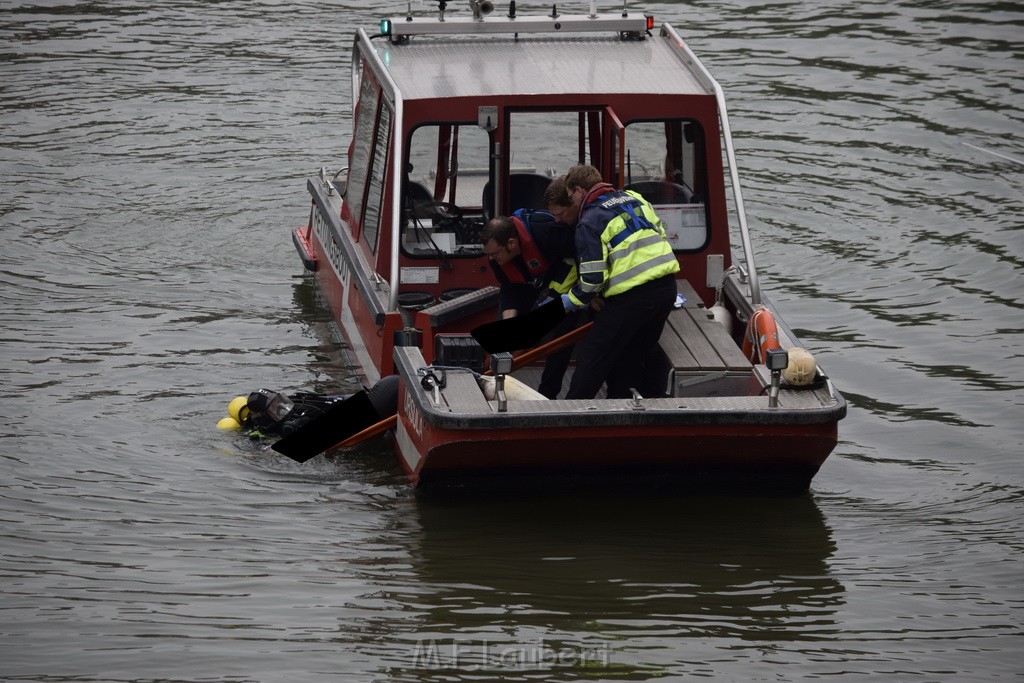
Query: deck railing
[734, 175]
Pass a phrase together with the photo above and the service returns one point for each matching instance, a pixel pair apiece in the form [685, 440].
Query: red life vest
[529, 267]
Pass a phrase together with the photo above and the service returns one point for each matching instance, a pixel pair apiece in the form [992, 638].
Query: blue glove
[569, 306]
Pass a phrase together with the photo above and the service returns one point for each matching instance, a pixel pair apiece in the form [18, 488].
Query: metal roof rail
[399, 29]
[734, 175]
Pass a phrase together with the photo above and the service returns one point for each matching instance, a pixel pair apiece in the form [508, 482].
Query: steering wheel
[436, 211]
[445, 214]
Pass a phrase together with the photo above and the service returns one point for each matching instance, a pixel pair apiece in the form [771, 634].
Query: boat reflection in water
[626, 583]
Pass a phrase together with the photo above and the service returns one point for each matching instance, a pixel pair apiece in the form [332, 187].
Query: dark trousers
[557, 363]
[624, 335]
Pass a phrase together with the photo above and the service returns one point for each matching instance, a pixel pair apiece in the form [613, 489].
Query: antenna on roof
[554, 11]
[441, 5]
[593, 9]
[625, 13]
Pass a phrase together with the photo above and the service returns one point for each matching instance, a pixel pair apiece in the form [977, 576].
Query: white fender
[514, 390]
[722, 316]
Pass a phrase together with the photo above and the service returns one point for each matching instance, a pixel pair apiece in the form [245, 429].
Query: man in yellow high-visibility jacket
[624, 260]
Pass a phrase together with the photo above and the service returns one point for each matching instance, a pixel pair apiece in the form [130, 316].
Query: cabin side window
[377, 173]
[665, 163]
[442, 194]
[360, 157]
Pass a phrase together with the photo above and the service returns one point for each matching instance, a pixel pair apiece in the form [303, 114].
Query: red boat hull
[765, 458]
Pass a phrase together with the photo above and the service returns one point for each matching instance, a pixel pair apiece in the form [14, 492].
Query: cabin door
[614, 148]
[539, 145]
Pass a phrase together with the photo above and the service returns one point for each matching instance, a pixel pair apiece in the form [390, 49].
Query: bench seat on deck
[700, 357]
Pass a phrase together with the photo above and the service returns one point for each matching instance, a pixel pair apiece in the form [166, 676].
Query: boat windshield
[447, 170]
[449, 193]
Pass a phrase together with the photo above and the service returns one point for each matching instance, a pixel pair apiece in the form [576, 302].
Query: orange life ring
[762, 334]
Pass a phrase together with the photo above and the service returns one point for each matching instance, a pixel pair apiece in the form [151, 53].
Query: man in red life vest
[532, 256]
[625, 259]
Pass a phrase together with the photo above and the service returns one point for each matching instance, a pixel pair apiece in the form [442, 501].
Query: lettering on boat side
[406, 447]
[331, 249]
[413, 415]
[410, 418]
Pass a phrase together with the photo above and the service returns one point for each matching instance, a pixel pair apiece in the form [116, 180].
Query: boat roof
[434, 67]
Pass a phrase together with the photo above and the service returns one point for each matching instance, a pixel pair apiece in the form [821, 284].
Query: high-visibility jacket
[620, 243]
[545, 266]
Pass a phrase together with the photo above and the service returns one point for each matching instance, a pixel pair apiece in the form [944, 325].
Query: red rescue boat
[460, 116]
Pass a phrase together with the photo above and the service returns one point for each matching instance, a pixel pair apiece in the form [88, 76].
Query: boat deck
[700, 377]
[714, 400]
[698, 357]
[462, 404]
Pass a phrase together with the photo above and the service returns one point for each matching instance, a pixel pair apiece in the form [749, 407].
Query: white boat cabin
[457, 119]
